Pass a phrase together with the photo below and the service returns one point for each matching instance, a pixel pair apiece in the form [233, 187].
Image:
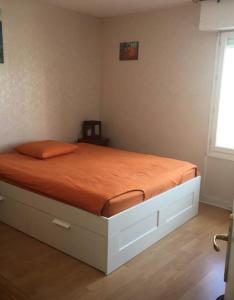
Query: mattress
[100, 180]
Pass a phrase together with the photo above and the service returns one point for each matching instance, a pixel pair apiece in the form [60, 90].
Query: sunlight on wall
[225, 127]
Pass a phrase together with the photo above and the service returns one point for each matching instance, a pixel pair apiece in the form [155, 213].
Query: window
[222, 121]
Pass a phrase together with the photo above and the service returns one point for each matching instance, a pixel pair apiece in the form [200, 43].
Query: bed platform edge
[104, 243]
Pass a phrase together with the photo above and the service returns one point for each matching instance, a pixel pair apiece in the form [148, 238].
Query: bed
[100, 205]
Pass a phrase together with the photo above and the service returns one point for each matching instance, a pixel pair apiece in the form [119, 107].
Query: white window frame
[213, 150]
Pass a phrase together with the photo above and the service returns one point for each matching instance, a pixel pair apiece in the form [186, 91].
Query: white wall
[217, 16]
[50, 81]
[161, 103]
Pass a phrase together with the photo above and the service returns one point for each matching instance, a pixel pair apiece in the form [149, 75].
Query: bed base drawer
[58, 233]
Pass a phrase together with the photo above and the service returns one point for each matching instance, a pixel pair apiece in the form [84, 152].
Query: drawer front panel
[13, 213]
[78, 242]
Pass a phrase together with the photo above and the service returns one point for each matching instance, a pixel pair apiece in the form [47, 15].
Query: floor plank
[9, 292]
[182, 266]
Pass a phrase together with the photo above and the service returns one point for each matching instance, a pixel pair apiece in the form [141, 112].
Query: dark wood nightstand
[96, 141]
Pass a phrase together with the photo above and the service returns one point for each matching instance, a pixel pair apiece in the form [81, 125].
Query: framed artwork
[129, 50]
[1, 45]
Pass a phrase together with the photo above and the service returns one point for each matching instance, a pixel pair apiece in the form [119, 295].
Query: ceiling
[107, 8]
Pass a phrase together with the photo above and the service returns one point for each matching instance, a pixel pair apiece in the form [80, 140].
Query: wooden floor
[182, 266]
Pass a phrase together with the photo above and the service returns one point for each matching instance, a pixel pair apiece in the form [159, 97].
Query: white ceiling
[106, 8]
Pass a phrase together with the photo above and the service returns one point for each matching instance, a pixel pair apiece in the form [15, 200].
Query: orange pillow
[46, 149]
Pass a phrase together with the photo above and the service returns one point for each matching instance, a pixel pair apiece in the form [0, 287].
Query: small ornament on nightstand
[92, 133]
[92, 129]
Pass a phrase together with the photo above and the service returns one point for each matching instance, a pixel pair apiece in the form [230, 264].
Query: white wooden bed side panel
[81, 243]
[59, 209]
[73, 240]
[13, 214]
[150, 221]
[164, 200]
[103, 243]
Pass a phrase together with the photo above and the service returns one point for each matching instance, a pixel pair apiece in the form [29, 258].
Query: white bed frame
[104, 243]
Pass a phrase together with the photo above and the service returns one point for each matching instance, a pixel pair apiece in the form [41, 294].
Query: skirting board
[215, 202]
[104, 243]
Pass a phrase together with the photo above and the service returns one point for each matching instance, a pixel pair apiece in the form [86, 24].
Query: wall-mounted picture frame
[1, 45]
[129, 50]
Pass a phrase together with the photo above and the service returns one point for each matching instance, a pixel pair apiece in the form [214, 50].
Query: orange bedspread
[94, 175]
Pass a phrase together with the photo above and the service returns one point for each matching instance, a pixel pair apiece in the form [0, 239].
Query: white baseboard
[216, 202]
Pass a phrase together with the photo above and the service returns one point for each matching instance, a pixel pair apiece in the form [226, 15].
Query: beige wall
[160, 104]
[50, 81]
